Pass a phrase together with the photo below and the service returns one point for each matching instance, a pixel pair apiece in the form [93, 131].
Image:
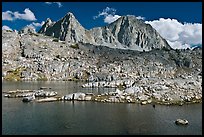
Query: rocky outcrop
[27, 30]
[176, 91]
[181, 122]
[28, 93]
[127, 32]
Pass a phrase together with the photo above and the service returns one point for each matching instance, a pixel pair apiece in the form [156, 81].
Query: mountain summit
[66, 29]
[127, 32]
[136, 34]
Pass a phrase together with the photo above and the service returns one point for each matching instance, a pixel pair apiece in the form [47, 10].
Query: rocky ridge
[33, 55]
[127, 32]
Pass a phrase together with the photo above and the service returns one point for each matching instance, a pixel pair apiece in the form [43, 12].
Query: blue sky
[16, 15]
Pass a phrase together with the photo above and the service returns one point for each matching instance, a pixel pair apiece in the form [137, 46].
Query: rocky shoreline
[162, 91]
[165, 92]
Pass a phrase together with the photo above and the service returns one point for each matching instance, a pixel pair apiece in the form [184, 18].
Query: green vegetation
[55, 40]
[85, 75]
[41, 77]
[121, 86]
[14, 75]
[74, 79]
[9, 31]
[74, 46]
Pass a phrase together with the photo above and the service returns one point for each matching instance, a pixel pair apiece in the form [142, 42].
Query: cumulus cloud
[35, 25]
[108, 14]
[140, 18]
[178, 35]
[58, 3]
[6, 28]
[8, 15]
[111, 18]
[107, 11]
[27, 15]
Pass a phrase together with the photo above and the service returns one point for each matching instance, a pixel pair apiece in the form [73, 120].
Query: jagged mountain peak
[69, 16]
[127, 32]
[128, 20]
[48, 20]
[129, 17]
[68, 29]
[48, 23]
[135, 34]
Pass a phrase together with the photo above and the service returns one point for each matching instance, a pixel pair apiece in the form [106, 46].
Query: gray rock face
[48, 23]
[125, 33]
[66, 29]
[136, 35]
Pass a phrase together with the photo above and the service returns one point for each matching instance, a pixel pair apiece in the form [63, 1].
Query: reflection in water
[92, 118]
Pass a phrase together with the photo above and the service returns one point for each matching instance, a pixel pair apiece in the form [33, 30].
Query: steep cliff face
[48, 23]
[136, 35]
[66, 29]
[126, 33]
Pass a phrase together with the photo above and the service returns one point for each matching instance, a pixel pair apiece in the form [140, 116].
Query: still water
[92, 118]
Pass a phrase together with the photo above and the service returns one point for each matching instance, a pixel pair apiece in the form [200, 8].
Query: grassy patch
[41, 77]
[74, 46]
[14, 75]
[85, 75]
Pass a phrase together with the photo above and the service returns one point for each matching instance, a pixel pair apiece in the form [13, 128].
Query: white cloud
[107, 11]
[58, 3]
[140, 18]
[27, 15]
[108, 14]
[6, 27]
[178, 35]
[38, 24]
[48, 3]
[8, 15]
[178, 45]
[111, 18]
[35, 25]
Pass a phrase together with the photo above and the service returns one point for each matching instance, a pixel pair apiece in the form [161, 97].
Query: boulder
[181, 122]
